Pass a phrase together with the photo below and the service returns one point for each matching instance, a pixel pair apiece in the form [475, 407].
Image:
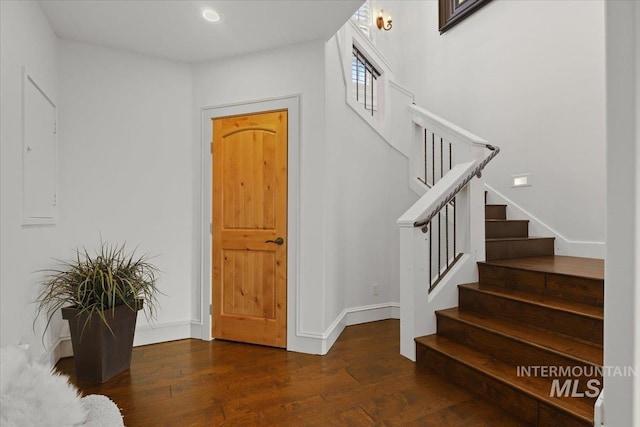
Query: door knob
[279, 241]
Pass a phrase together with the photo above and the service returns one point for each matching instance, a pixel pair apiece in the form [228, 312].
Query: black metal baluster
[455, 254]
[372, 87]
[454, 220]
[439, 244]
[441, 160]
[430, 252]
[446, 224]
[450, 201]
[357, 79]
[433, 158]
[365, 87]
[364, 76]
[369, 74]
[425, 156]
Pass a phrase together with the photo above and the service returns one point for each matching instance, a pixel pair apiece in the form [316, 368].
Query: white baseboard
[332, 334]
[305, 342]
[316, 343]
[356, 316]
[197, 329]
[52, 354]
[563, 245]
[65, 349]
[162, 332]
[372, 313]
[145, 334]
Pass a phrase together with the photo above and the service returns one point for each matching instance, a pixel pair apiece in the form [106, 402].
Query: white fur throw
[32, 395]
[102, 411]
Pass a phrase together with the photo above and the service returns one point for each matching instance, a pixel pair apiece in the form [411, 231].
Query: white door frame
[292, 104]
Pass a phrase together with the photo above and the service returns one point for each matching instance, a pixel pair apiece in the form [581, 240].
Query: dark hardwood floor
[363, 381]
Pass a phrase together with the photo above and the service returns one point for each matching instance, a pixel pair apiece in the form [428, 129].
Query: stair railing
[448, 203]
[442, 234]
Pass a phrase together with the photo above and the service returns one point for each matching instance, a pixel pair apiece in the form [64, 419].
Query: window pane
[361, 18]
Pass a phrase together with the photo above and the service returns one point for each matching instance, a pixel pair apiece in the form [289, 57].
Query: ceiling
[175, 29]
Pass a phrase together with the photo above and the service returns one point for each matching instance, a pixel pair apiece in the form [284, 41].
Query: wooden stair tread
[543, 300]
[502, 239]
[560, 344]
[590, 268]
[536, 387]
[495, 204]
[530, 308]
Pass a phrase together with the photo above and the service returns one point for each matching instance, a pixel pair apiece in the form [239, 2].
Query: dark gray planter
[99, 353]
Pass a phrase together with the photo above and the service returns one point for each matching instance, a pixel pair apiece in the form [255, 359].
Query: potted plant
[100, 295]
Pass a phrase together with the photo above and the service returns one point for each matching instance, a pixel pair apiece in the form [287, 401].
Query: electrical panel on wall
[39, 155]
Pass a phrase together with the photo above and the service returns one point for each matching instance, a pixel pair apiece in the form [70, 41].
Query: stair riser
[495, 211]
[499, 229]
[588, 291]
[508, 350]
[575, 325]
[519, 248]
[508, 398]
[549, 416]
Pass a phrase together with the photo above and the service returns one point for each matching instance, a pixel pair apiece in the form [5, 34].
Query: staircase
[510, 238]
[531, 311]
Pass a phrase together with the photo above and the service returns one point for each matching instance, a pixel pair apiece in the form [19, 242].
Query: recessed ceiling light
[211, 15]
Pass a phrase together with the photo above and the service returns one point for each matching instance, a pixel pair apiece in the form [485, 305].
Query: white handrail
[444, 128]
[476, 172]
[402, 89]
[436, 194]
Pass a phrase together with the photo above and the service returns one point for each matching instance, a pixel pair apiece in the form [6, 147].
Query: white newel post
[407, 349]
[414, 286]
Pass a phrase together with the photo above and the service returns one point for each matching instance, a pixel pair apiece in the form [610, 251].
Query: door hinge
[210, 228]
[211, 148]
[210, 310]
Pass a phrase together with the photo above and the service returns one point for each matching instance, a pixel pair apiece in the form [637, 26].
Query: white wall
[367, 189]
[125, 132]
[130, 170]
[527, 76]
[353, 186]
[26, 40]
[124, 159]
[622, 290]
[291, 70]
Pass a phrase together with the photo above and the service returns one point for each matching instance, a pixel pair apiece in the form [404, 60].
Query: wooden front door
[250, 228]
